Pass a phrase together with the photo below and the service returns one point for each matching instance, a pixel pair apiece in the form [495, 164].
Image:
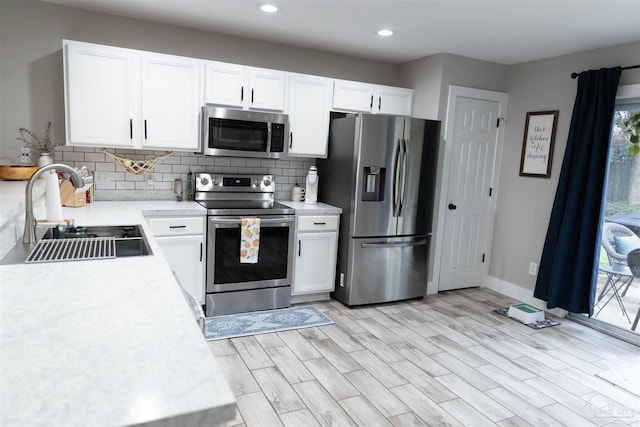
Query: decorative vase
[44, 159]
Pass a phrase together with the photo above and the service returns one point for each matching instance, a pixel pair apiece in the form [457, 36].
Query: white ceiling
[503, 31]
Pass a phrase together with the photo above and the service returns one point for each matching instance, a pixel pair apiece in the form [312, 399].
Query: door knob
[452, 206]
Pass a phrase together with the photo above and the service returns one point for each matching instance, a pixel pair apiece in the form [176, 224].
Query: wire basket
[137, 167]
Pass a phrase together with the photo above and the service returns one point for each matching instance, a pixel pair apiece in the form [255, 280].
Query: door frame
[481, 94]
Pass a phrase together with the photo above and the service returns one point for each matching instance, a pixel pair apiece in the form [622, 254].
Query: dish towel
[249, 240]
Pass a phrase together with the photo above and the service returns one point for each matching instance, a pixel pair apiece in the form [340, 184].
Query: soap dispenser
[311, 192]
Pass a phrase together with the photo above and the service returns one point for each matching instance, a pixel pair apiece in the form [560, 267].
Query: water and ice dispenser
[374, 183]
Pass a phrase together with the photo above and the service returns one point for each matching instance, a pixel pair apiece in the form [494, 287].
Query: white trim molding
[521, 294]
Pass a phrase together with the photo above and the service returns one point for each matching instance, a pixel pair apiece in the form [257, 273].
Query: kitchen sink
[89, 243]
[117, 231]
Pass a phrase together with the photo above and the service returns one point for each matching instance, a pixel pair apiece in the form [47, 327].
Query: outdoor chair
[633, 260]
[617, 240]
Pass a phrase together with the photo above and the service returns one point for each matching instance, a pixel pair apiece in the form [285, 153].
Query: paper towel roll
[52, 199]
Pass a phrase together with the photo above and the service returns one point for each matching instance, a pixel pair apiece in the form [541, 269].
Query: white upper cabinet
[100, 95]
[370, 98]
[309, 107]
[117, 97]
[352, 96]
[393, 100]
[171, 101]
[244, 87]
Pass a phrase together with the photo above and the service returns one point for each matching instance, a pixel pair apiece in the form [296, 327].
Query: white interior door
[473, 132]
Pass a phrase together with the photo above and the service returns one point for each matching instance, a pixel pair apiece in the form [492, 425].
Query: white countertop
[109, 342]
[303, 208]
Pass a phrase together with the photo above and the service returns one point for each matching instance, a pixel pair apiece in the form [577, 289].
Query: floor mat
[262, 322]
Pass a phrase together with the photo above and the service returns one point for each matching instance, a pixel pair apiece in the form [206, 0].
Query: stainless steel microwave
[238, 133]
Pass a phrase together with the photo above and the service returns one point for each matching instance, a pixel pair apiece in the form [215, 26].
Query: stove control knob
[266, 182]
[204, 180]
[256, 183]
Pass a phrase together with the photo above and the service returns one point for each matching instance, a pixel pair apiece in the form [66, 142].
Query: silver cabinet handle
[394, 244]
[319, 223]
[238, 220]
[177, 226]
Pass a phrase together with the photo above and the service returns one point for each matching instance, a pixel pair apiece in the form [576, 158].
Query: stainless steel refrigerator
[381, 171]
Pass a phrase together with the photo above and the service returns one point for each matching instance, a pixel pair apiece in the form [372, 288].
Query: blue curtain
[567, 274]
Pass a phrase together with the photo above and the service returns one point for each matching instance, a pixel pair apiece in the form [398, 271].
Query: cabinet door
[171, 101]
[267, 89]
[99, 95]
[226, 84]
[393, 100]
[186, 258]
[315, 265]
[352, 96]
[309, 106]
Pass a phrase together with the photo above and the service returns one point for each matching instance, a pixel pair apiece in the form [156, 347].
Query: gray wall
[524, 204]
[31, 83]
[430, 78]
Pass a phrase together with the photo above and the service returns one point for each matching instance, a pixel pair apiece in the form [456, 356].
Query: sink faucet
[29, 221]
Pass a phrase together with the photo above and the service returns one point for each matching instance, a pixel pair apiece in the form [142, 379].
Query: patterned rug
[262, 322]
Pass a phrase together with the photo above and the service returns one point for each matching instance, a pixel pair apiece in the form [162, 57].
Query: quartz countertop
[108, 342]
[303, 208]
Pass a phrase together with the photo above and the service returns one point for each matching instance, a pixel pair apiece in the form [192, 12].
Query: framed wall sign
[537, 146]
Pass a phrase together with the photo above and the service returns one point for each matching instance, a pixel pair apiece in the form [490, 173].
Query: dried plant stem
[36, 144]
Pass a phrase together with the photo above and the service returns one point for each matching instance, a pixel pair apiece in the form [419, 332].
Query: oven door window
[272, 256]
[228, 134]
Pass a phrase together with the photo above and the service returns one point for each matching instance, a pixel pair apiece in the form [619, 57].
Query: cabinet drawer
[318, 223]
[176, 226]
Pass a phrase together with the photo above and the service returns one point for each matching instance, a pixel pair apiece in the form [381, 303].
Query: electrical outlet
[533, 268]
[102, 177]
[25, 155]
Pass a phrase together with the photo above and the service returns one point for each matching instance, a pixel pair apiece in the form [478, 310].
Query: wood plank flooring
[445, 360]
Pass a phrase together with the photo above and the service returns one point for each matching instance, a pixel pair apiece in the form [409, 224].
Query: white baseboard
[432, 288]
[521, 294]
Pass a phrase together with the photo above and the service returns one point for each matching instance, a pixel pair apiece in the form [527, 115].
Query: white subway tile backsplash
[106, 167]
[121, 185]
[125, 185]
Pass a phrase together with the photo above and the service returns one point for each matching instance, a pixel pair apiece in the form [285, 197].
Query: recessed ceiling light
[269, 8]
[385, 33]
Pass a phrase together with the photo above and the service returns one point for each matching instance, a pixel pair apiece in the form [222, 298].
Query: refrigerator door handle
[394, 244]
[403, 187]
[396, 179]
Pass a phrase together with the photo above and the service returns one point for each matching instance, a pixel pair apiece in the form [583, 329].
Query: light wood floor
[444, 360]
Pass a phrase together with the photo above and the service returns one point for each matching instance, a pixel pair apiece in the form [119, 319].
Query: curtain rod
[630, 67]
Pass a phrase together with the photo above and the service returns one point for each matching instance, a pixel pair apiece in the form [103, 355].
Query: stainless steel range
[231, 285]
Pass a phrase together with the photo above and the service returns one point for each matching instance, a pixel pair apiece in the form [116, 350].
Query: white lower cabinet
[181, 240]
[315, 254]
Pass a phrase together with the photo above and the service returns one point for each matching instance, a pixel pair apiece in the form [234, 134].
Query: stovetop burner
[246, 195]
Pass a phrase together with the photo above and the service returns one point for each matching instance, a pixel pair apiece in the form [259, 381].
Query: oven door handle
[270, 220]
